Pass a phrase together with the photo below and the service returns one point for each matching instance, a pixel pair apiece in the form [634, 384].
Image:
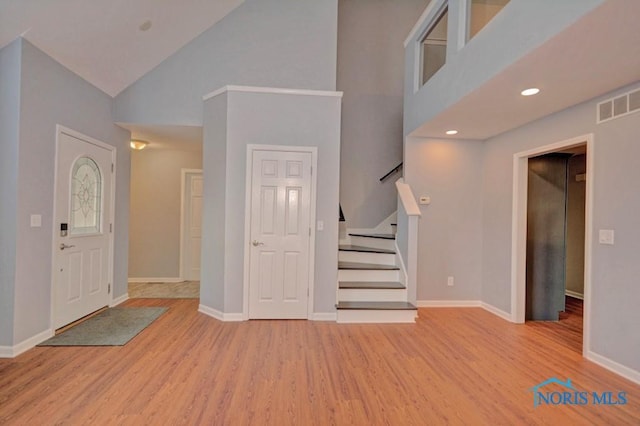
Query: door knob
[257, 243]
[65, 246]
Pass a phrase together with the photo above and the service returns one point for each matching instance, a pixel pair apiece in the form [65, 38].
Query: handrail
[407, 198]
[392, 171]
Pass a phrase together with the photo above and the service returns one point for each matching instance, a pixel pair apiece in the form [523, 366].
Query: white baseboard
[464, 304]
[448, 303]
[14, 351]
[324, 316]
[119, 300]
[574, 294]
[622, 370]
[219, 315]
[156, 280]
[498, 312]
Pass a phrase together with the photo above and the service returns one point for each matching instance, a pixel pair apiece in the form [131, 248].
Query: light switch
[606, 236]
[36, 221]
[320, 225]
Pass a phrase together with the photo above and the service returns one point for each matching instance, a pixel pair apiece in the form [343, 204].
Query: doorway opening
[160, 201]
[552, 239]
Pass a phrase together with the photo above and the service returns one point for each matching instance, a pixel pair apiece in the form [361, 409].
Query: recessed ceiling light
[452, 132]
[145, 25]
[530, 92]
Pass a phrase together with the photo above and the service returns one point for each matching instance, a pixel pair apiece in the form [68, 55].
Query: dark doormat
[113, 327]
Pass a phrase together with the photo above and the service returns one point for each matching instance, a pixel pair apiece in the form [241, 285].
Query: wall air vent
[619, 106]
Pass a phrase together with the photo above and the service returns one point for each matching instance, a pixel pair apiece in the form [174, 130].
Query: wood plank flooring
[567, 331]
[454, 366]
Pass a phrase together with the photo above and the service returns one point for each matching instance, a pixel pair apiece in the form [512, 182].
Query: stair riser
[376, 316]
[361, 257]
[368, 275]
[372, 295]
[373, 242]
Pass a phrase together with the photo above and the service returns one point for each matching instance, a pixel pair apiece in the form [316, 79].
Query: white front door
[82, 227]
[192, 227]
[280, 234]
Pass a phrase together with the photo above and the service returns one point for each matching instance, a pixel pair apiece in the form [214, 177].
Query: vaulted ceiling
[110, 43]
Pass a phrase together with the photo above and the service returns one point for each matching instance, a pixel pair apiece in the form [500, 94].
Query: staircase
[371, 285]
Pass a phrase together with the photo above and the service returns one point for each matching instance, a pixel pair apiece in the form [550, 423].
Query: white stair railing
[407, 236]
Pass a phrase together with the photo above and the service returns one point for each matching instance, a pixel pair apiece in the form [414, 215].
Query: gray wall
[450, 229]
[9, 133]
[528, 23]
[276, 43]
[50, 95]
[370, 73]
[575, 224]
[214, 230]
[154, 222]
[615, 269]
[268, 119]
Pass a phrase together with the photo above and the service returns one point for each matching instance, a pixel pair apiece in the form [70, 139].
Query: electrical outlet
[450, 281]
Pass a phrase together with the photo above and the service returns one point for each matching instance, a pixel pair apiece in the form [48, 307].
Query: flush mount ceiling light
[138, 144]
[530, 92]
[452, 132]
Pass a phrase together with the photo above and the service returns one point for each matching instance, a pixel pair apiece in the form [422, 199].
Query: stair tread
[371, 285]
[367, 266]
[380, 236]
[376, 305]
[363, 249]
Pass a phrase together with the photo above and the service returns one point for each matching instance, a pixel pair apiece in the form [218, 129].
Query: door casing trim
[112, 212]
[183, 218]
[519, 230]
[247, 219]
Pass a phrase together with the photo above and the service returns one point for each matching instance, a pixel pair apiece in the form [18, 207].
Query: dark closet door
[546, 236]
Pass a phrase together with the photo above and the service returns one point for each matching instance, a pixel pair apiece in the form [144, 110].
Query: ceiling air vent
[619, 106]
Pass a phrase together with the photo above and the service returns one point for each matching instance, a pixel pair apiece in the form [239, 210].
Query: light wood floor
[455, 366]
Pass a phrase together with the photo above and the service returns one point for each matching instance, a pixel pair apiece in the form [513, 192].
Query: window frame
[435, 16]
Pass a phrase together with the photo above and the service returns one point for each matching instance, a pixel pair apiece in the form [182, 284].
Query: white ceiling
[596, 55]
[177, 138]
[101, 40]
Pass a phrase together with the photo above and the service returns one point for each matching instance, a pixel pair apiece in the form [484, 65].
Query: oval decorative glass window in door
[86, 196]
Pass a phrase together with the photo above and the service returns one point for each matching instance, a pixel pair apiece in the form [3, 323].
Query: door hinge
[111, 167]
[309, 231]
[311, 170]
[109, 288]
[110, 227]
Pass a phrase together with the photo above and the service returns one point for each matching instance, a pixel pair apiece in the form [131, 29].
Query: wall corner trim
[219, 315]
[622, 370]
[14, 351]
[324, 316]
[271, 90]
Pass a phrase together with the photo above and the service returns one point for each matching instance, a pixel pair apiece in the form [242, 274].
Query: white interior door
[193, 225]
[82, 244]
[280, 234]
